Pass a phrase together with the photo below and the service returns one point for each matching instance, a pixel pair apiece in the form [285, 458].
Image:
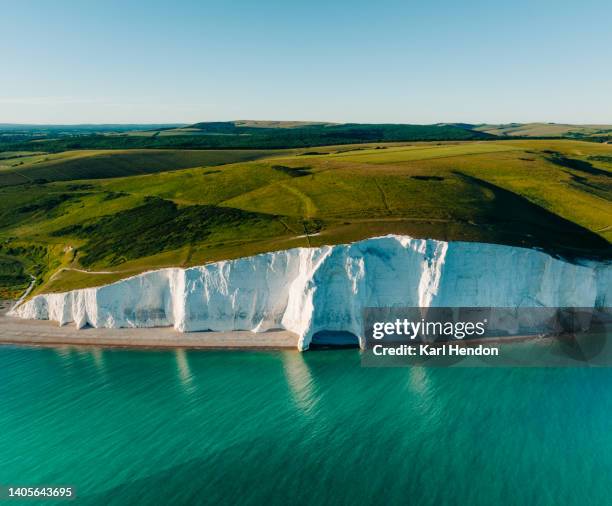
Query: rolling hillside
[554, 195]
[252, 134]
[243, 135]
[545, 130]
[99, 164]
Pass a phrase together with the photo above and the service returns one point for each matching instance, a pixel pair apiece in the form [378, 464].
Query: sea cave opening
[326, 339]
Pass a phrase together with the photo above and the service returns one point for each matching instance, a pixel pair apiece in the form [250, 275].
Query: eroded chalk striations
[307, 290]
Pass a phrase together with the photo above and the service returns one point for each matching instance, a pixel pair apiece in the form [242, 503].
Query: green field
[100, 164]
[245, 134]
[87, 218]
[546, 130]
[230, 135]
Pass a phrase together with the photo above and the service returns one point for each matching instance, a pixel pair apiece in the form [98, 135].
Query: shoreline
[15, 331]
[46, 333]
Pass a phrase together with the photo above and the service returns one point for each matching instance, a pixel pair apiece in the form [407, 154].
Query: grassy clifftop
[554, 195]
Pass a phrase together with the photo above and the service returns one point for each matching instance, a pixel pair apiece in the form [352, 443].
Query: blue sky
[387, 61]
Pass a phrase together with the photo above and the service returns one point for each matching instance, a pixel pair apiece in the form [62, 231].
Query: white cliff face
[307, 290]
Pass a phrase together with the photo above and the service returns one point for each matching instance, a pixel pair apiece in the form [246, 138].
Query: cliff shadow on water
[515, 220]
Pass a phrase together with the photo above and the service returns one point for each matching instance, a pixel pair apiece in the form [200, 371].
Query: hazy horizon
[396, 61]
[184, 123]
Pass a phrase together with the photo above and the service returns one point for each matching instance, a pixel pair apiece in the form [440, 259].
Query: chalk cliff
[307, 290]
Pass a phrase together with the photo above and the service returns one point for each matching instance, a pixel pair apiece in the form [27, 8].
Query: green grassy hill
[553, 194]
[244, 135]
[253, 134]
[545, 130]
[99, 164]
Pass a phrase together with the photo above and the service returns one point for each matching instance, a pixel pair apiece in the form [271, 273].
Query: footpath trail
[63, 269]
[309, 208]
[26, 293]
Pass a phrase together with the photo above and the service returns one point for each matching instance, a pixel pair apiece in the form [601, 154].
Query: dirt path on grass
[309, 207]
[74, 269]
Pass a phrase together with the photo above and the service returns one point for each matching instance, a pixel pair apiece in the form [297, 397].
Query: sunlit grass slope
[98, 164]
[554, 195]
[546, 130]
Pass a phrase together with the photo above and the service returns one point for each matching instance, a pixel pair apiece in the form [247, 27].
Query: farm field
[225, 135]
[82, 218]
[545, 130]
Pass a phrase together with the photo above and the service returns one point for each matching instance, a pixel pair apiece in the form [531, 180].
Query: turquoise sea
[202, 427]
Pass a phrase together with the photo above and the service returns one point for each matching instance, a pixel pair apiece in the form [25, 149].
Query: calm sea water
[128, 427]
